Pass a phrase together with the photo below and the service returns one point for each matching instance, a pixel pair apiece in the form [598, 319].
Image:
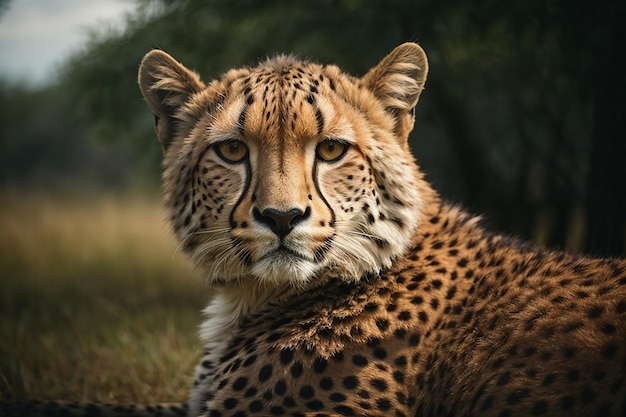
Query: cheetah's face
[276, 172]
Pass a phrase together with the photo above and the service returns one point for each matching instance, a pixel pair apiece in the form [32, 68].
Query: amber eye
[331, 150]
[232, 151]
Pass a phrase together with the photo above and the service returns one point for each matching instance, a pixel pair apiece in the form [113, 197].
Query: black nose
[281, 222]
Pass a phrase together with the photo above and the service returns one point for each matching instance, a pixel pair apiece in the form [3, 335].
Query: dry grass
[95, 305]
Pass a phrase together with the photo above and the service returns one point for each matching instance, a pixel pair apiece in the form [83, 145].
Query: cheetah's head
[275, 173]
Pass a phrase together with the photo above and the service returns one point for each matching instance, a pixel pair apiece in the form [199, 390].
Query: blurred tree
[4, 5]
[42, 144]
[504, 125]
[606, 199]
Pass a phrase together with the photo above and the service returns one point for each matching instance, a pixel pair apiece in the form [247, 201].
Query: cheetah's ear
[398, 81]
[166, 85]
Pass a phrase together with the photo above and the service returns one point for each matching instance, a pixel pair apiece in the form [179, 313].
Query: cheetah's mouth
[283, 252]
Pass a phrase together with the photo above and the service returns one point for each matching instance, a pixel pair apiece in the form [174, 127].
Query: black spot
[422, 316]
[306, 392]
[609, 351]
[414, 339]
[359, 360]
[320, 121]
[379, 384]
[280, 388]
[337, 397]
[274, 336]
[595, 312]
[417, 300]
[371, 306]
[504, 379]
[256, 406]
[286, 356]
[350, 382]
[315, 405]
[404, 315]
[230, 403]
[549, 379]
[451, 292]
[572, 375]
[319, 366]
[240, 383]
[277, 410]
[249, 360]
[363, 394]
[382, 323]
[326, 384]
[251, 392]
[383, 404]
[400, 361]
[296, 369]
[343, 410]
[418, 277]
[380, 353]
[398, 376]
[608, 328]
[400, 333]
[539, 408]
[265, 373]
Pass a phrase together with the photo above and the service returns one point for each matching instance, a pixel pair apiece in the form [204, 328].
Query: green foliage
[43, 144]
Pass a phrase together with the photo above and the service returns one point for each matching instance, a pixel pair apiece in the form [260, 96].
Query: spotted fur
[344, 284]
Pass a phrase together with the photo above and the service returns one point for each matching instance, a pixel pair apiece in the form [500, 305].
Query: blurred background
[522, 120]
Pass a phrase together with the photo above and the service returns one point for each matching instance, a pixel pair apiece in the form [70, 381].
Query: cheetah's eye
[232, 151]
[331, 150]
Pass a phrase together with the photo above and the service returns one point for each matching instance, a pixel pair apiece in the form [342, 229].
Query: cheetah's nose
[281, 222]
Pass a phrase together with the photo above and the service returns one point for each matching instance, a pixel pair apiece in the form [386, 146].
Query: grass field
[95, 302]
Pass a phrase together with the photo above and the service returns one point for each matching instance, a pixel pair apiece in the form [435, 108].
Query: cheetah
[344, 284]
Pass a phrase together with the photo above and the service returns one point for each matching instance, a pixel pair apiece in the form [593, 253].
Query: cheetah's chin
[284, 267]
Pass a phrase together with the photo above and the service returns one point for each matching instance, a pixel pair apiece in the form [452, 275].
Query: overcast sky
[36, 35]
